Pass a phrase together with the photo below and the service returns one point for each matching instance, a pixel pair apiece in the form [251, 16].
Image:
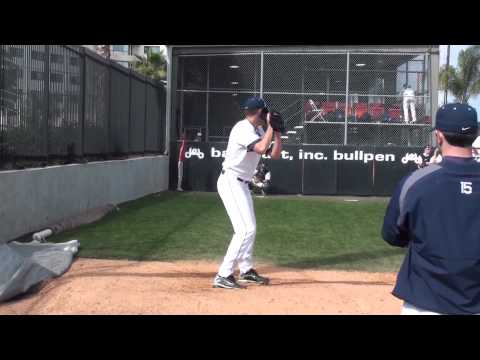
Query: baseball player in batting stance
[247, 143]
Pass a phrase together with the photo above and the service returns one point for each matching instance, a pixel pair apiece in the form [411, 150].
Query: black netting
[193, 114]
[225, 109]
[192, 73]
[235, 73]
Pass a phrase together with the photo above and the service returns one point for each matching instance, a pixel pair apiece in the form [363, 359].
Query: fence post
[109, 110]
[346, 99]
[261, 74]
[145, 118]
[2, 104]
[129, 150]
[207, 110]
[46, 84]
[83, 85]
[159, 91]
[2, 90]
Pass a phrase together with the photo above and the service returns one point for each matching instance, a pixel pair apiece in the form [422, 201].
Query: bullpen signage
[309, 169]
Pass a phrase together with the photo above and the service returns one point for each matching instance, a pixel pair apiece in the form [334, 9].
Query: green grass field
[297, 232]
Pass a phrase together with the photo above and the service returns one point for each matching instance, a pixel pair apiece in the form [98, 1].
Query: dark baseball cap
[254, 103]
[457, 119]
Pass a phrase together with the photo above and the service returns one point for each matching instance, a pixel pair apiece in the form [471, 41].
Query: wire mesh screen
[211, 91]
[64, 131]
[291, 106]
[325, 98]
[137, 120]
[192, 89]
[192, 73]
[97, 83]
[388, 100]
[120, 111]
[193, 113]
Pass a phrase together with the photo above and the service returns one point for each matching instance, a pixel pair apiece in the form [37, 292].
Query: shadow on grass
[125, 209]
[148, 200]
[141, 250]
[146, 251]
[342, 259]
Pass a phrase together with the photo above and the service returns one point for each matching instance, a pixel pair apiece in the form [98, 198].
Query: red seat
[395, 112]
[341, 106]
[360, 110]
[329, 107]
[427, 119]
[377, 110]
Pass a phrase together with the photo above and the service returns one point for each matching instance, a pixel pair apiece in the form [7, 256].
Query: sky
[454, 51]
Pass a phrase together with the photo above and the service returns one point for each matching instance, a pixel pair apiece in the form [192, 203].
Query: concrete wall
[33, 198]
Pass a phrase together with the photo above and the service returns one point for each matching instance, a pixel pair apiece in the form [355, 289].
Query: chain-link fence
[59, 100]
[325, 98]
[211, 90]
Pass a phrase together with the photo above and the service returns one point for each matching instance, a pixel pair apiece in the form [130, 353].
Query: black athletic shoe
[252, 276]
[226, 282]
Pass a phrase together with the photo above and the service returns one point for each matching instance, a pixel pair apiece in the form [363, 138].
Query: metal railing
[59, 100]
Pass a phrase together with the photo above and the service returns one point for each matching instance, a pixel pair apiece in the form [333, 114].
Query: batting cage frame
[357, 117]
[349, 96]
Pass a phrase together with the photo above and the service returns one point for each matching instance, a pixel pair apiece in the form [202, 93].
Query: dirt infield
[129, 287]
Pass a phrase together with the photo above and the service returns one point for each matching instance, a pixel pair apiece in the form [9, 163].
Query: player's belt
[239, 179]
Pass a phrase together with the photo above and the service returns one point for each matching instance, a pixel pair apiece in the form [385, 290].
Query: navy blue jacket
[435, 212]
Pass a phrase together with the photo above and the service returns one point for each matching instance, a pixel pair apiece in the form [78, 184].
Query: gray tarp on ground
[23, 265]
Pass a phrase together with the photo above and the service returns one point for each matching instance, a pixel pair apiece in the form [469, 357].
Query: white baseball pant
[409, 103]
[409, 309]
[238, 202]
[180, 175]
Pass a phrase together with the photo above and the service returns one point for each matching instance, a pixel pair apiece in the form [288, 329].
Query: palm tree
[463, 82]
[154, 65]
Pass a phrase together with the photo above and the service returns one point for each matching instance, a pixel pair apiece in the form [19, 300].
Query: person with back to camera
[246, 144]
[435, 213]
